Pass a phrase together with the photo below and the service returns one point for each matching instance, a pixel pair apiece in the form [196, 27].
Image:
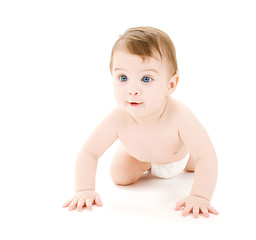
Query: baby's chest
[154, 145]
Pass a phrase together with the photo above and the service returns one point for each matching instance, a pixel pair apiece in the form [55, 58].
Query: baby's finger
[205, 211]
[196, 212]
[213, 210]
[80, 205]
[89, 204]
[72, 205]
[187, 210]
[66, 204]
[98, 200]
[179, 205]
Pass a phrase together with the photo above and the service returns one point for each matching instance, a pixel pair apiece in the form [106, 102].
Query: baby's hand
[83, 199]
[195, 204]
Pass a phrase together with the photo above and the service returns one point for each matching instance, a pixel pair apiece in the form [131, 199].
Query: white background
[56, 86]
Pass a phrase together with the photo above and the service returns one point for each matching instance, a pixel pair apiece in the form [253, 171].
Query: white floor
[142, 210]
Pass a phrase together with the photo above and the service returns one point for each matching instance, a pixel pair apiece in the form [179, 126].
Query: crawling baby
[157, 133]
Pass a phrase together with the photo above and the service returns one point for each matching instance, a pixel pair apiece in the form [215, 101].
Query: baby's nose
[133, 91]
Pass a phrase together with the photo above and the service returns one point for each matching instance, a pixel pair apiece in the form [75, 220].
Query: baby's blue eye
[123, 78]
[146, 79]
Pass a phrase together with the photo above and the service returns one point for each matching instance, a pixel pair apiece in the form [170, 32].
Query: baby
[157, 133]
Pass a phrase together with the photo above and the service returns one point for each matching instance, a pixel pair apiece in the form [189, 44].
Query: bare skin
[152, 128]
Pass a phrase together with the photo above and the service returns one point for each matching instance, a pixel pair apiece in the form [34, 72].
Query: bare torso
[158, 143]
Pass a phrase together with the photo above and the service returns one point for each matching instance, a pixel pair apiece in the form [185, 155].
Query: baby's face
[141, 87]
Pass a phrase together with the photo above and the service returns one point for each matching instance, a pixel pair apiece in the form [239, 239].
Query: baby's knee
[123, 179]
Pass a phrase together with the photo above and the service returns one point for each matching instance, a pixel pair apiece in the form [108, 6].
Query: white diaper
[170, 169]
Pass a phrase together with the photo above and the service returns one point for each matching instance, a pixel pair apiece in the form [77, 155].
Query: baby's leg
[125, 169]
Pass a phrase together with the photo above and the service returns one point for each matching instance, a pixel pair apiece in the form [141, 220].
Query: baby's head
[144, 68]
[147, 42]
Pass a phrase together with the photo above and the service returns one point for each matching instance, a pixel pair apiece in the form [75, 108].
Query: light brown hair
[144, 41]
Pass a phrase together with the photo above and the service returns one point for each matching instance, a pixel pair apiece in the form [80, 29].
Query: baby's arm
[85, 171]
[202, 151]
[99, 141]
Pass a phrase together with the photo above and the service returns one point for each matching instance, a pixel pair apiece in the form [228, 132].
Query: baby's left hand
[195, 204]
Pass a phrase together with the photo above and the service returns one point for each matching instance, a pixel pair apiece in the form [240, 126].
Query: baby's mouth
[134, 104]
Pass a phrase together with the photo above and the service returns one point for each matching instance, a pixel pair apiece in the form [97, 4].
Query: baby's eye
[146, 79]
[123, 78]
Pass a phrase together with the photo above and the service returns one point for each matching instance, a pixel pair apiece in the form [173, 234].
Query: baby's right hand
[82, 199]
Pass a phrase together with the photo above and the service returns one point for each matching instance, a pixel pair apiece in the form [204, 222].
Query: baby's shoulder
[180, 112]
[117, 115]
[179, 109]
[184, 117]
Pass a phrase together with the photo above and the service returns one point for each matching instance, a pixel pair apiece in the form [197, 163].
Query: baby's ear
[177, 77]
[173, 83]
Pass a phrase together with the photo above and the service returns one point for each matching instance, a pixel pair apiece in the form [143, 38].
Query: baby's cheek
[155, 100]
[117, 95]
